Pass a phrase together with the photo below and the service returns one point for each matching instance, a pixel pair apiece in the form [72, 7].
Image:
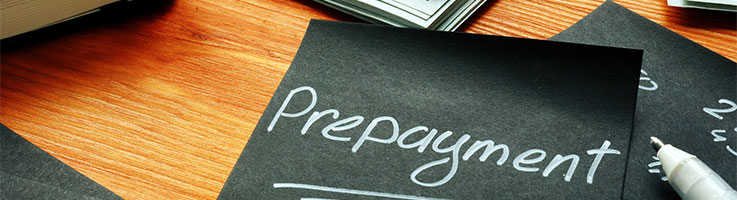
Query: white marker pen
[690, 177]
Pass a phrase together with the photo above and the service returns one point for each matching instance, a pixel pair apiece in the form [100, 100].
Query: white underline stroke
[351, 191]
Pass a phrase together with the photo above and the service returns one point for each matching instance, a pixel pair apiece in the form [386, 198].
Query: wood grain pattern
[159, 104]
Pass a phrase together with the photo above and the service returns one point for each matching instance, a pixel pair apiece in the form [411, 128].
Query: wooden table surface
[158, 104]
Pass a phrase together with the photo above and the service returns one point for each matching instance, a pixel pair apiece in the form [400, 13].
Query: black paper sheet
[687, 97]
[397, 114]
[28, 172]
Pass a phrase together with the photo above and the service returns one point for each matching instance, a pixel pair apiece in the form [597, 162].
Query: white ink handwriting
[527, 161]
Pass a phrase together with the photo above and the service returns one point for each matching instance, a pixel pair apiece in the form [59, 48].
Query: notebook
[718, 5]
[444, 15]
[20, 16]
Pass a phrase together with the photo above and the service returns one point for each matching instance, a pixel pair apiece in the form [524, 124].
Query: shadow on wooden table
[703, 19]
[110, 15]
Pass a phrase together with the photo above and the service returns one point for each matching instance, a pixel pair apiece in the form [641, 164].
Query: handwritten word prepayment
[522, 162]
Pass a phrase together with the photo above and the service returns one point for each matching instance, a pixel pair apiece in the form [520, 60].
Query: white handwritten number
[653, 85]
[730, 148]
[654, 168]
[717, 137]
[714, 111]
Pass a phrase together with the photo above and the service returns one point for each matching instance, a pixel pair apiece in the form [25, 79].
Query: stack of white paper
[444, 15]
[722, 5]
[20, 16]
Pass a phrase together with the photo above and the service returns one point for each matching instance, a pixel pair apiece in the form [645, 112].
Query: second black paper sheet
[687, 97]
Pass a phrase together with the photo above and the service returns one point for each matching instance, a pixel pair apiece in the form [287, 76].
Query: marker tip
[657, 144]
